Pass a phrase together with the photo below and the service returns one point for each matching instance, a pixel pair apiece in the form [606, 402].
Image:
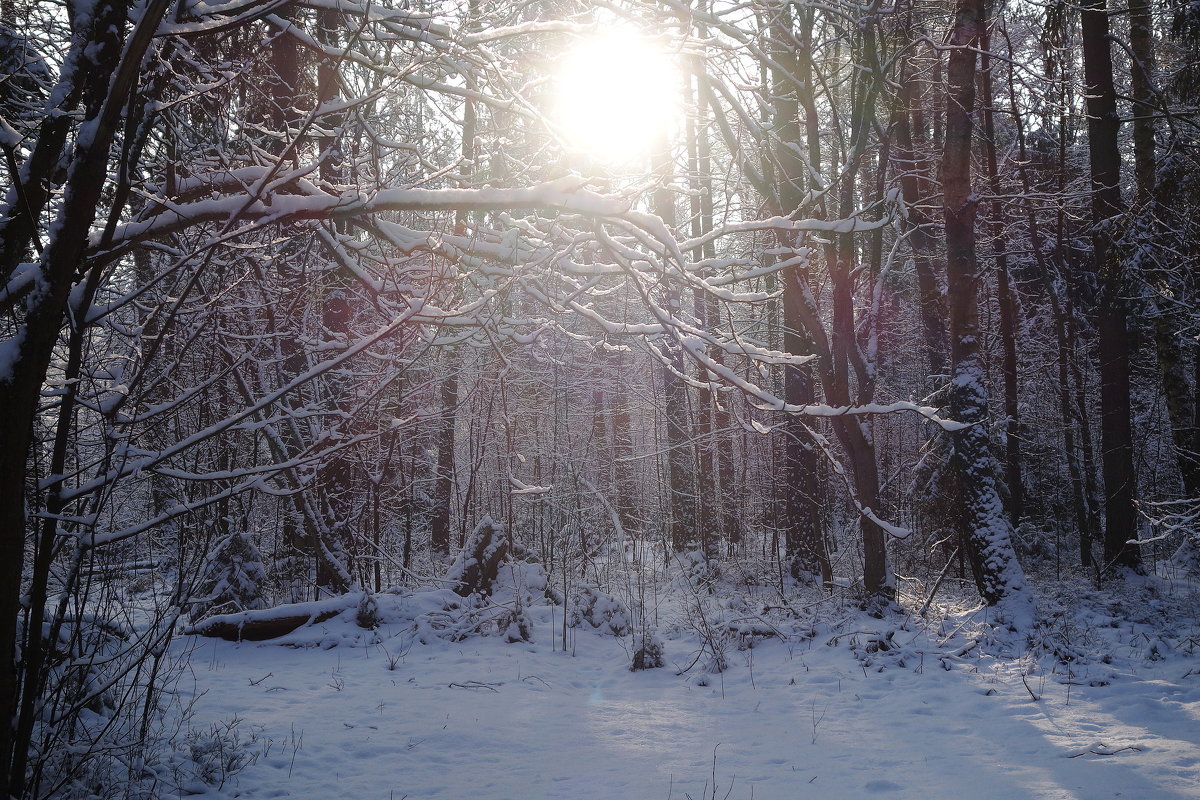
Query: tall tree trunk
[1181, 400]
[1005, 295]
[623, 451]
[837, 352]
[708, 517]
[710, 500]
[721, 423]
[804, 541]
[723, 427]
[848, 361]
[443, 483]
[917, 223]
[988, 540]
[339, 484]
[1116, 429]
[681, 524]
[1141, 43]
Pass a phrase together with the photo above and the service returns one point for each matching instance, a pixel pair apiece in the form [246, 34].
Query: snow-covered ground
[822, 713]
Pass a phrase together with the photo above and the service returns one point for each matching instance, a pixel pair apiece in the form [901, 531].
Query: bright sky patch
[616, 94]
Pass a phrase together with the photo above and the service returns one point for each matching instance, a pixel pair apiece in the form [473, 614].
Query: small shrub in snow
[205, 759]
[716, 663]
[748, 633]
[592, 607]
[491, 588]
[458, 619]
[477, 565]
[520, 582]
[697, 571]
[445, 614]
[217, 754]
[518, 627]
[1034, 545]
[367, 615]
[232, 579]
[647, 653]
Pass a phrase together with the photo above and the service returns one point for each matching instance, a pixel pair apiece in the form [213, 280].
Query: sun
[616, 95]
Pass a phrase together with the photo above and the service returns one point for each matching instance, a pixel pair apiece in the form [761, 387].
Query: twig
[937, 584]
[475, 685]
[1101, 750]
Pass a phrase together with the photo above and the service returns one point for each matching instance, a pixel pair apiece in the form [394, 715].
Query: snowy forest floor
[1101, 700]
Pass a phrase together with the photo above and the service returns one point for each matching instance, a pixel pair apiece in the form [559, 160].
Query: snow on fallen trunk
[271, 623]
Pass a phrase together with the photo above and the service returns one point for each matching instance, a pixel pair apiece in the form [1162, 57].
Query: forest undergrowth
[702, 626]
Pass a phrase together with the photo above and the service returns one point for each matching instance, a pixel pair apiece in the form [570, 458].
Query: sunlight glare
[616, 94]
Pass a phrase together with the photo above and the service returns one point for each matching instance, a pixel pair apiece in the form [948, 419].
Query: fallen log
[271, 623]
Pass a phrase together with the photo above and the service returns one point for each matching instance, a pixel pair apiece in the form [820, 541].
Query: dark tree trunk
[708, 495]
[682, 526]
[623, 452]
[836, 352]
[681, 506]
[804, 541]
[1157, 203]
[719, 445]
[443, 484]
[917, 223]
[1116, 430]
[988, 541]
[1062, 332]
[339, 478]
[1141, 43]
[1006, 297]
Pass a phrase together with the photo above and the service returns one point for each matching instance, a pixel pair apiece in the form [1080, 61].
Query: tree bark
[443, 484]
[804, 541]
[1006, 297]
[681, 505]
[994, 564]
[917, 223]
[1116, 429]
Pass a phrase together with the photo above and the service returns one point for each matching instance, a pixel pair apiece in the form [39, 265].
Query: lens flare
[616, 95]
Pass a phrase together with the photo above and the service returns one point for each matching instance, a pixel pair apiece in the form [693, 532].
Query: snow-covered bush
[647, 652]
[747, 633]
[589, 606]
[213, 757]
[1034, 545]
[367, 615]
[520, 581]
[477, 565]
[232, 579]
[102, 734]
[188, 761]
[517, 627]
[442, 614]
[696, 570]
[518, 586]
[492, 588]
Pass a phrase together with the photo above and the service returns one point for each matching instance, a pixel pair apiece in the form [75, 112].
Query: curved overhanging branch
[564, 195]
